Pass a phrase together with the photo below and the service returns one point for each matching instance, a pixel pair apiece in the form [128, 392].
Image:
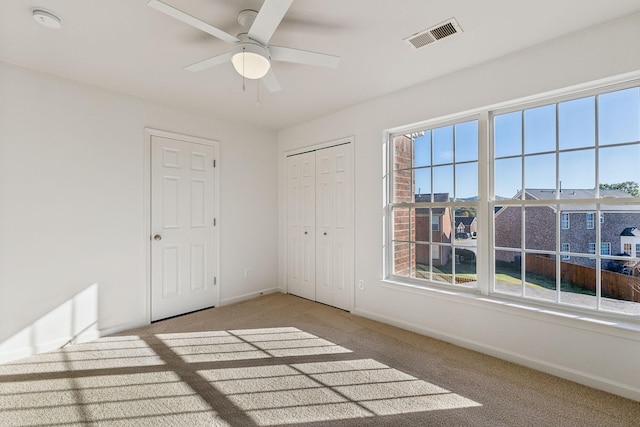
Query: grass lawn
[508, 274]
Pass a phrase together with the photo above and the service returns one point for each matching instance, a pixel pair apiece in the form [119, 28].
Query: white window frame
[605, 248]
[590, 219]
[564, 221]
[565, 247]
[486, 205]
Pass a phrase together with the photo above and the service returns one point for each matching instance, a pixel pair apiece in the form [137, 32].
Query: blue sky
[618, 123]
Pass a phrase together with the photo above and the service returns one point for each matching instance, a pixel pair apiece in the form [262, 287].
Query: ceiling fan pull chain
[258, 82]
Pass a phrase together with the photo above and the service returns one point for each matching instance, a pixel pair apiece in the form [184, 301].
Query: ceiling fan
[251, 54]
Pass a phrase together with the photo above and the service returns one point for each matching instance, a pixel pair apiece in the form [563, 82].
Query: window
[550, 162]
[627, 248]
[434, 179]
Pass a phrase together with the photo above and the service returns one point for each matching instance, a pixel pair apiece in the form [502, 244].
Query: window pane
[465, 266]
[443, 181]
[508, 178]
[540, 171]
[619, 169]
[540, 228]
[466, 141]
[403, 259]
[578, 170]
[507, 133]
[443, 145]
[508, 226]
[422, 150]
[467, 181]
[423, 224]
[578, 235]
[619, 116]
[576, 127]
[403, 186]
[423, 266]
[402, 155]
[403, 229]
[540, 129]
[540, 277]
[508, 272]
[423, 182]
[578, 286]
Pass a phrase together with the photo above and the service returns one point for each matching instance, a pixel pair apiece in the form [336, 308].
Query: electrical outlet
[361, 285]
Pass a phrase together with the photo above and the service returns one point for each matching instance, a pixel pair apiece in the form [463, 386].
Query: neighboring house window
[627, 248]
[433, 173]
[591, 222]
[605, 248]
[549, 159]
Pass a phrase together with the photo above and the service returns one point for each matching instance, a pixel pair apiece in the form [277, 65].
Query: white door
[183, 249]
[334, 226]
[301, 225]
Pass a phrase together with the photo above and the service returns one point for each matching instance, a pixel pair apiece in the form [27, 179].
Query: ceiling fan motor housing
[250, 58]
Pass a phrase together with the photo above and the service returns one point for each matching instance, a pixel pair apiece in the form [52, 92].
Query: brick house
[466, 224]
[577, 226]
[439, 222]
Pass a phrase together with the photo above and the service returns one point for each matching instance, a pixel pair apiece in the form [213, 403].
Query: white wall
[599, 355]
[72, 244]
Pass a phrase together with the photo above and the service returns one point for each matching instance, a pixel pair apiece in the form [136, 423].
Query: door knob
[325, 233]
[157, 237]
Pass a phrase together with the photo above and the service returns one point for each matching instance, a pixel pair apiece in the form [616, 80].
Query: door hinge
[215, 280]
[214, 163]
[214, 222]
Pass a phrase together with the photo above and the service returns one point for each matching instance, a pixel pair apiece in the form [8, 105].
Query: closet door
[301, 225]
[334, 226]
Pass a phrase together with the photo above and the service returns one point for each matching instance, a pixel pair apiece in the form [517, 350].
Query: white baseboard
[121, 328]
[249, 295]
[625, 390]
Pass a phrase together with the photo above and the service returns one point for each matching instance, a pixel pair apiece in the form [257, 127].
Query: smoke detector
[47, 18]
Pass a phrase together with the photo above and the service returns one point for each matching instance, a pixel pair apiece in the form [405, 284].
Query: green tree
[630, 187]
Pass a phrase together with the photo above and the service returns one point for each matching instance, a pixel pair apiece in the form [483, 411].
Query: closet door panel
[301, 225]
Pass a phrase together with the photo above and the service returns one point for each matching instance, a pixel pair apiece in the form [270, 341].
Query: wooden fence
[614, 285]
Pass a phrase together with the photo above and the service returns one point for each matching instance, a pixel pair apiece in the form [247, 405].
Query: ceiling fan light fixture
[250, 59]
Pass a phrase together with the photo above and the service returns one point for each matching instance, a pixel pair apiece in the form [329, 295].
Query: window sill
[566, 316]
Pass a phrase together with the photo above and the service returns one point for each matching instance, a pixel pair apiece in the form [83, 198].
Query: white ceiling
[129, 47]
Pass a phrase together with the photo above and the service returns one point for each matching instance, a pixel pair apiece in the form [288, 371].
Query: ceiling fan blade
[271, 82]
[268, 19]
[210, 62]
[190, 20]
[298, 56]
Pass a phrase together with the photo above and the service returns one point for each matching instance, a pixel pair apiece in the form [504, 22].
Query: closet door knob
[157, 237]
[306, 232]
[325, 233]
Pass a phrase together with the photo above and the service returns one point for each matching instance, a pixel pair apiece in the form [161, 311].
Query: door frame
[149, 133]
[302, 150]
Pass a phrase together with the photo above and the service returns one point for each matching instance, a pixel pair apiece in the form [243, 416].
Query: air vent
[438, 32]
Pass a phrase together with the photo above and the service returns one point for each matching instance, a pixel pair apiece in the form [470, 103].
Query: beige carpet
[283, 360]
